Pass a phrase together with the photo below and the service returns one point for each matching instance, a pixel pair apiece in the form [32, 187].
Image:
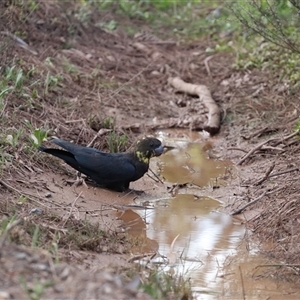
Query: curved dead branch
[213, 123]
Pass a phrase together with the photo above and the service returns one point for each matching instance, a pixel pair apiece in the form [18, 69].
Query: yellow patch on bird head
[143, 157]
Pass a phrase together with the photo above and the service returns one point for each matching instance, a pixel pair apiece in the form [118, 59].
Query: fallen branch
[213, 123]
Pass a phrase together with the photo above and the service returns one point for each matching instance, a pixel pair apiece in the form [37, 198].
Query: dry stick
[287, 137]
[265, 142]
[284, 172]
[213, 123]
[237, 149]
[71, 210]
[256, 133]
[206, 60]
[238, 211]
[278, 265]
[159, 180]
[242, 282]
[254, 149]
[101, 132]
[266, 176]
[140, 256]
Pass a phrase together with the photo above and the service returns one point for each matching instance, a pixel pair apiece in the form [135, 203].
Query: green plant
[51, 81]
[35, 237]
[36, 291]
[111, 25]
[297, 126]
[116, 142]
[15, 76]
[54, 251]
[38, 135]
[276, 21]
[108, 123]
[69, 67]
[13, 139]
[160, 285]
[6, 223]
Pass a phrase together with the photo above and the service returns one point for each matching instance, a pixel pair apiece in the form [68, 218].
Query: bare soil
[79, 76]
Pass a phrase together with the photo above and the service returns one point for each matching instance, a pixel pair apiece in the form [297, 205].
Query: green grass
[116, 142]
[161, 285]
[183, 19]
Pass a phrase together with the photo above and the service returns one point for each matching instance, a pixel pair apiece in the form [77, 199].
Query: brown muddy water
[194, 239]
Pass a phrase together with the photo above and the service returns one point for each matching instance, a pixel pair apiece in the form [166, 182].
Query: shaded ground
[84, 78]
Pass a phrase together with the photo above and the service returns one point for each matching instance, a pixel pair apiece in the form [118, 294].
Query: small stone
[36, 211]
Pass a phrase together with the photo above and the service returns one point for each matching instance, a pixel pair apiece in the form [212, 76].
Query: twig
[101, 132]
[242, 282]
[236, 212]
[278, 265]
[255, 149]
[140, 256]
[271, 148]
[256, 133]
[266, 176]
[287, 137]
[132, 206]
[158, 179]
[71, 210]
[284, 172]
[237, 149]
[206, 60]
[259, 146]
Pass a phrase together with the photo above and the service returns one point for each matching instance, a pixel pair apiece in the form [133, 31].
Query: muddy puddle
[192, 236]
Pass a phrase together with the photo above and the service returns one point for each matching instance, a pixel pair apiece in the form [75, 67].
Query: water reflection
[206, 237]
[189, 163]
